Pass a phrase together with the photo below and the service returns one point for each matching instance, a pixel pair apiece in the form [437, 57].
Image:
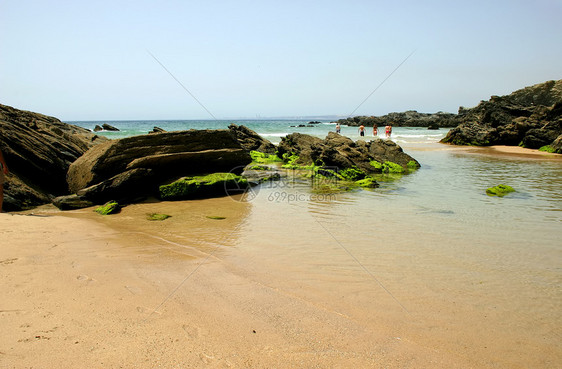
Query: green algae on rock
[390, 167]
[264, 158]
[157, 216]
[499, 190]
[547, 148]
[215, 184]
[111, 207]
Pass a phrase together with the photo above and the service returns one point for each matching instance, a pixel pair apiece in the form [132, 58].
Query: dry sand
[78, 294]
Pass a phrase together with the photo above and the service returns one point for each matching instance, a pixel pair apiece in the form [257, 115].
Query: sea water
[428, 252]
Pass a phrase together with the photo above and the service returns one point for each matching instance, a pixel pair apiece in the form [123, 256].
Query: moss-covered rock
[413, 165]
[111, 207]
[215, 217]
[499, 190]
[547, 148]
[264, 158]
[367, 182]
[352, 174]
[258, 167]
[215, 184]
[157, 216]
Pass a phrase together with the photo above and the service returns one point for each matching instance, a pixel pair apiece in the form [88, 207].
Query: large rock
[133, 167]
[38, 150]
[250, 140]
[337, 151]
[530, 117]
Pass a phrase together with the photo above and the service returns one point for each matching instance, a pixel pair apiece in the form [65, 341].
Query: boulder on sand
[38, 150]
[133, 167]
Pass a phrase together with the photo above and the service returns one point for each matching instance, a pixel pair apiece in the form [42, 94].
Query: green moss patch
[215, 217]
[202, 186]
[111, 207]
[157, 216]
[259, 167]
[352, 174]
[367, 182]
[499, 190]
[547, 148]
[413, 165]
[264, 158]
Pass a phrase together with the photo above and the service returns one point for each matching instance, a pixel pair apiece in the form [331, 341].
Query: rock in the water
[98, 128]
[342, 152]
[216, 184]
[250, 140]
[157, 130]
[38, 150]
[108, 127]
[530, 117]
[499, 190]
[131, 168]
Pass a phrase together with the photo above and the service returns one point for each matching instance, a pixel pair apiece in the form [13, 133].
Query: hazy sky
[89, 60]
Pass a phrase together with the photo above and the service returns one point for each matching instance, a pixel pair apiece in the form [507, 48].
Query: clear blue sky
[88, 60]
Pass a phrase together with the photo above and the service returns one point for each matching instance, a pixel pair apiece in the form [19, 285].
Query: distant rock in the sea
[108, 127]
[410, 118]
[530, 117]
[105, 127]
[157, 130]
[38, 150]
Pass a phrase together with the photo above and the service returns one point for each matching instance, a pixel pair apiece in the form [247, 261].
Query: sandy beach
[79, 294]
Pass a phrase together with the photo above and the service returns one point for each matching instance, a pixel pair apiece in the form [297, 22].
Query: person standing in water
[375, 130]
[338, 128]
[3, 172]
[361, 130]
[388, 130]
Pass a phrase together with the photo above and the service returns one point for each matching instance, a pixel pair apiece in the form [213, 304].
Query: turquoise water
[272, 130]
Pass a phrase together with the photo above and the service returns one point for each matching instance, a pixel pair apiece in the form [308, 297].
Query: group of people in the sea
[387, 130]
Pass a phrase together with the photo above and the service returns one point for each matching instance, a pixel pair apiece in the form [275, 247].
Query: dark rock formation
[530, 117]
[557, 145]
[98, 128]
[250, 140]
[342, 152]
[38, 150]
[107, 127]
[157, 130]
[131, 168]
[410, 118]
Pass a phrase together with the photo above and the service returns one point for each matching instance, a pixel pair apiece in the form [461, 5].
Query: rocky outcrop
[530, 117]
[38, 150]
[341, 152]
[250, 140]
[557, 145]
[410, 118]
[131, 168]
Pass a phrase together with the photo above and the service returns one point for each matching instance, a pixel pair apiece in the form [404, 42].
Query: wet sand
[79, 294]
